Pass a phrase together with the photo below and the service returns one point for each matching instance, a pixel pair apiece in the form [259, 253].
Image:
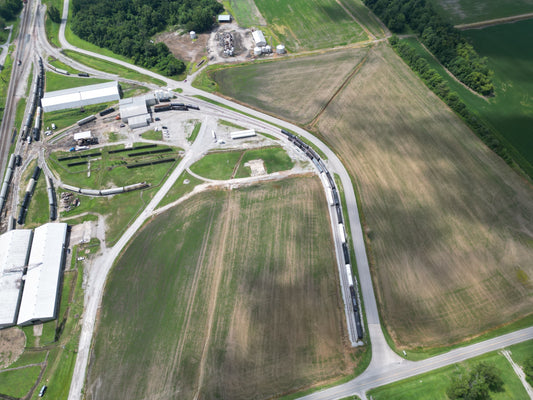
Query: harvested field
[448, 222]
[233, 294]
[277, 86]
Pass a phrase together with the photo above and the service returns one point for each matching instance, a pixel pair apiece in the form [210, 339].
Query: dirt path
[492, 22]
[370, 35]
[519, 372]
[218, 267]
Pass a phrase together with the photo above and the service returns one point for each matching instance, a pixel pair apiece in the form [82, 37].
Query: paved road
[386, 366]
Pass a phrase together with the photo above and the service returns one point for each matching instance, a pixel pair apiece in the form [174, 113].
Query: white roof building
[139, 121]
[224, 18]
[41, 286]
[14, 253]
[259, 38]
[132, 107]
[242, 134]
[80, 96]
[82, 135]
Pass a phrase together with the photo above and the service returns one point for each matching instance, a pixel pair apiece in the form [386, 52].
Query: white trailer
[349, 274]
[342, 234]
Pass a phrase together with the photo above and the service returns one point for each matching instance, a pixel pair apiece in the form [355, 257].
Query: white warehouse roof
[259, 38]
[14, 252]
[224, 18]
[242, 134]
[82, 135]
[80, 96]
[41, 287]
[132, 107]
[139, 121]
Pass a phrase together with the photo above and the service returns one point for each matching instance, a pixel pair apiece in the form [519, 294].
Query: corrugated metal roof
[80, 96]
[259, 38]
[224, 18]
[242, 134]
[132, 107]
[82, 135]
[139, 121]
[44, 270]
[14, 252]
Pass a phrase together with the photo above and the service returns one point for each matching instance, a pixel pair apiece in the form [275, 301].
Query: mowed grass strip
[17, 383]
[442, 212]
[277, 87]
[310, 24]
[233, 294]
[55, 81]
[245, 12]
[467, 11]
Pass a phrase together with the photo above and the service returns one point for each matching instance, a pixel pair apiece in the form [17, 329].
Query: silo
[280, 49]
[257, 51]
[193, 34]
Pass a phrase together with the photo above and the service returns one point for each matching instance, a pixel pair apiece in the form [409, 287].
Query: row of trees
[441, 38]
[439, 86]
[126, 26]
[9, 9]
[477, 384]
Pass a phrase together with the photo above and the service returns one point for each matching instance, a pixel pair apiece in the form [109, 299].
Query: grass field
[17, 383]
[310, 24]
[364, 16]
[432, 386]
[180, 188]
[466, 11]
[251, 305]
[66, 118]
[230, 164]
[447, 222]
[245, 12]
[271, 86]
[55, 81]
[58, 64]
[152, 135]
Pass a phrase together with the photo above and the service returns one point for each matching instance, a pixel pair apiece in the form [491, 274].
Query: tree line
[9, 9]
[439, 86]
[441, 38]
[126, 26]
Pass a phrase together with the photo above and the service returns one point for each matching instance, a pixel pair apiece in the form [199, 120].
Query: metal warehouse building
[43, 277]
[133, 107]
[14, 253]
[80, 96]
[259, 38]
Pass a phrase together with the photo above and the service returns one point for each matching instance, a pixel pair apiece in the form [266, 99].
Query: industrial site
[240, 200]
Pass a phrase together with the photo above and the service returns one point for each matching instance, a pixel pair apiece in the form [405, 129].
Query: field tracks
[356, 69]
[192, 295]
[492, 22]
[218, 267]
[370, 34]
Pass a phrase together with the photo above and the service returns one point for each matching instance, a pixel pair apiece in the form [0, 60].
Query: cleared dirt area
[449, 223]
[183, 47]
[233, 294]
[12, 342]
[277, 87]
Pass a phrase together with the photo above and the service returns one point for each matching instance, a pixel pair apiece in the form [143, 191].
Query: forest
[126, 27]
[9, 9]
[441, 38]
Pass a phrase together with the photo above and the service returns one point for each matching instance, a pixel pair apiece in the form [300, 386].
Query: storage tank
[257, 51]
[267, 49]
[280, 49]
[193, 34]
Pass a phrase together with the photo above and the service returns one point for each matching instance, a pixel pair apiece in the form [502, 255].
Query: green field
[180, 188]
[58, 64]
[55, 81]
[17, 383]
[230, 164]
[66, 118]
[272, 86]
[152, 135]
[310, 24]
[466, 11]
[433, 385]
[245, 12]
[364, 16]
[246, 295]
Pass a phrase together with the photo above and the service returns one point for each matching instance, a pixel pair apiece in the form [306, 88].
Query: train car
[83, 74]
[31, 186]
[36, 173]
[349, 274]
[346, 253]
[358, 325]
[339, 214]
[86, 120]
[108, 192]
[106, 111]
[329, 197]
[162, 107]
[192, 106]
[71, 188]
[90, 192]
[335, 196]
[342, 234]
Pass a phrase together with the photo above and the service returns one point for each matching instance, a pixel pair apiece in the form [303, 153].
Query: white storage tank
[193, 34]
[280, 49]
[267, 49]
[257, 51]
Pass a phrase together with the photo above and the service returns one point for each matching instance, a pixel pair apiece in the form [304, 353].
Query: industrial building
[80, 96]
[14, 254]
[259, 38]
[40, 294]
[224, 18]
[82, 135]
[242, 134]
[134, 111]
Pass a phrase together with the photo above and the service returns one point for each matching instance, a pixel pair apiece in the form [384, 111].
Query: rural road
[385, 366]
[491, 22]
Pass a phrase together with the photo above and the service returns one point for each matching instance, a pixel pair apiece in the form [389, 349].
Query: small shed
[82, 135]
[259, 38]
[224, 18]
[242, 134]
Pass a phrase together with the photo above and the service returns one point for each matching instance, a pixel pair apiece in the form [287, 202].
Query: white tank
[257, 51]
[280, 49]
[193, 34]
[267, 49]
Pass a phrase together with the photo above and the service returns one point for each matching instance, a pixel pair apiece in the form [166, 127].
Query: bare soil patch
[183, 47]
[242, 42]
[12, 342]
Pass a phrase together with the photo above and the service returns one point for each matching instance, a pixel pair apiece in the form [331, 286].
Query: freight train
[7, 181]
[333, 200]
[27, 196]
[106, 192]
[37, 94]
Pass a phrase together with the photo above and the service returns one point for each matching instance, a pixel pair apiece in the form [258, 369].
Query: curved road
[385, 366]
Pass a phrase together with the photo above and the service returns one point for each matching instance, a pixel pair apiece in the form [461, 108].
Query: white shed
[224, 18]
[82, 135]
[242, 134]
[259, 38]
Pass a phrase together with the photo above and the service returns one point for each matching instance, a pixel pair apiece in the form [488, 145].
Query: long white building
[259, 38]
[43, 277]
[80, 96]
[14, 253]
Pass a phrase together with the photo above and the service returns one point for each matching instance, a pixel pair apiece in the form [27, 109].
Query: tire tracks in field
[341, 87]
[218, 264]
[190, 303]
